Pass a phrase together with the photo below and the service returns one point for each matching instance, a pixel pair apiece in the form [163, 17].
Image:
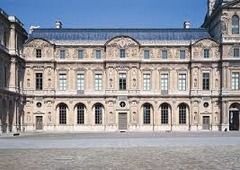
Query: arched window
[98, 113]
[62, 114]
[164, 113]
[146, 113]
[80, 114]
[235, 24]
[182, 114]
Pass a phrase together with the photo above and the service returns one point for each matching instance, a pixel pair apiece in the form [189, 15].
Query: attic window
[206, 53]
[38, 53]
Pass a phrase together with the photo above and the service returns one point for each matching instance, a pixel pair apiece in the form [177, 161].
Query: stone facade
[12, 67]
[135, 79]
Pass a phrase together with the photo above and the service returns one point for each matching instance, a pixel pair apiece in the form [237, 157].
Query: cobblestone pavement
[117, 151]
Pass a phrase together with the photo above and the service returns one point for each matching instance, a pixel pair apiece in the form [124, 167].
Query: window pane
[235, 24]
[80, 54]
[62, 82]
[164, 114]
[122, 81]
[98, 82]
[38, 53]
[205, 81]
[62, 114]
[182, 114]
[80, 114]
[164, 81]
[206, 53]
[236, 52]
[182, 54]
[80, 81]
[98, 54]
[182, 82]
[164, 54]
[62, 54]
[235, 81]
[39, 81]
[146, 82]
[122, 53]
[98, 114]
[146, 54]
[146, 114]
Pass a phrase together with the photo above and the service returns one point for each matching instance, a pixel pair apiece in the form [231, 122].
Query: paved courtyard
[201, 150]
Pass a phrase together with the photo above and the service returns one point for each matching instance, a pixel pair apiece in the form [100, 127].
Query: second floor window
[62, 82]
[146, 54]
[146, 82]
[182, 82]
[205, 81]
[206, 53]
[80, 81]
[236, 52]
[122, 53]
[122, 81]
[39, 81]
[38, 53]
[80, 54]
[164, 81]
[98, 82]
[235, 81]
[98, 54]
[62, 54]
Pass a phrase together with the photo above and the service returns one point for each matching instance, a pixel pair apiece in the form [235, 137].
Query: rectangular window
[39, 81]
[182, 54]
[98, 54]
[98, 82]
[38, 53]
[146, 54]
[122, 53]
[80, 81]
[235, 81]
[146, 82]
[62, 82]
[164, 54]
[122, 81]
[206, 53]
[236, 52]
[80, 54]
[62, 54]
[206, 81]
[182, 82]
[164, 81]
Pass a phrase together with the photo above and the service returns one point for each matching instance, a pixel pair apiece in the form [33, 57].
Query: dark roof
[106, 34]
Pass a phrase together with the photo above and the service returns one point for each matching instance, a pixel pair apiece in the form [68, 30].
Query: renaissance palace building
[60, 79]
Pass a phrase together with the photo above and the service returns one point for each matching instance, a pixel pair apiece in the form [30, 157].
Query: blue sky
[107, 13]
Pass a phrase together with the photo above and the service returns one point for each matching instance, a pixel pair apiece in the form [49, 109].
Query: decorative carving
[122, 42]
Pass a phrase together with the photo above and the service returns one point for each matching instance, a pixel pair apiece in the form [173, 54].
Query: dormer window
[206, 53]
[38, 53]
[235, 24]
[122, 53]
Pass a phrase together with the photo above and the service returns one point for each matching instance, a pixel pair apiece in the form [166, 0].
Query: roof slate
[53, 35]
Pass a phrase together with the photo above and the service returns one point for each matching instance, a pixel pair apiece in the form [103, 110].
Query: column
[12, 42]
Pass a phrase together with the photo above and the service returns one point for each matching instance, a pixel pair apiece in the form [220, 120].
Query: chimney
[186, 25]
[58, 24]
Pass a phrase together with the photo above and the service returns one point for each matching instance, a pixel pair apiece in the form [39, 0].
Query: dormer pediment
[122, 42]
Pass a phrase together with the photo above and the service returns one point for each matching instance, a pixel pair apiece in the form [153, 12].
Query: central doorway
[122, 121]
[39, 122]
[206, 123]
